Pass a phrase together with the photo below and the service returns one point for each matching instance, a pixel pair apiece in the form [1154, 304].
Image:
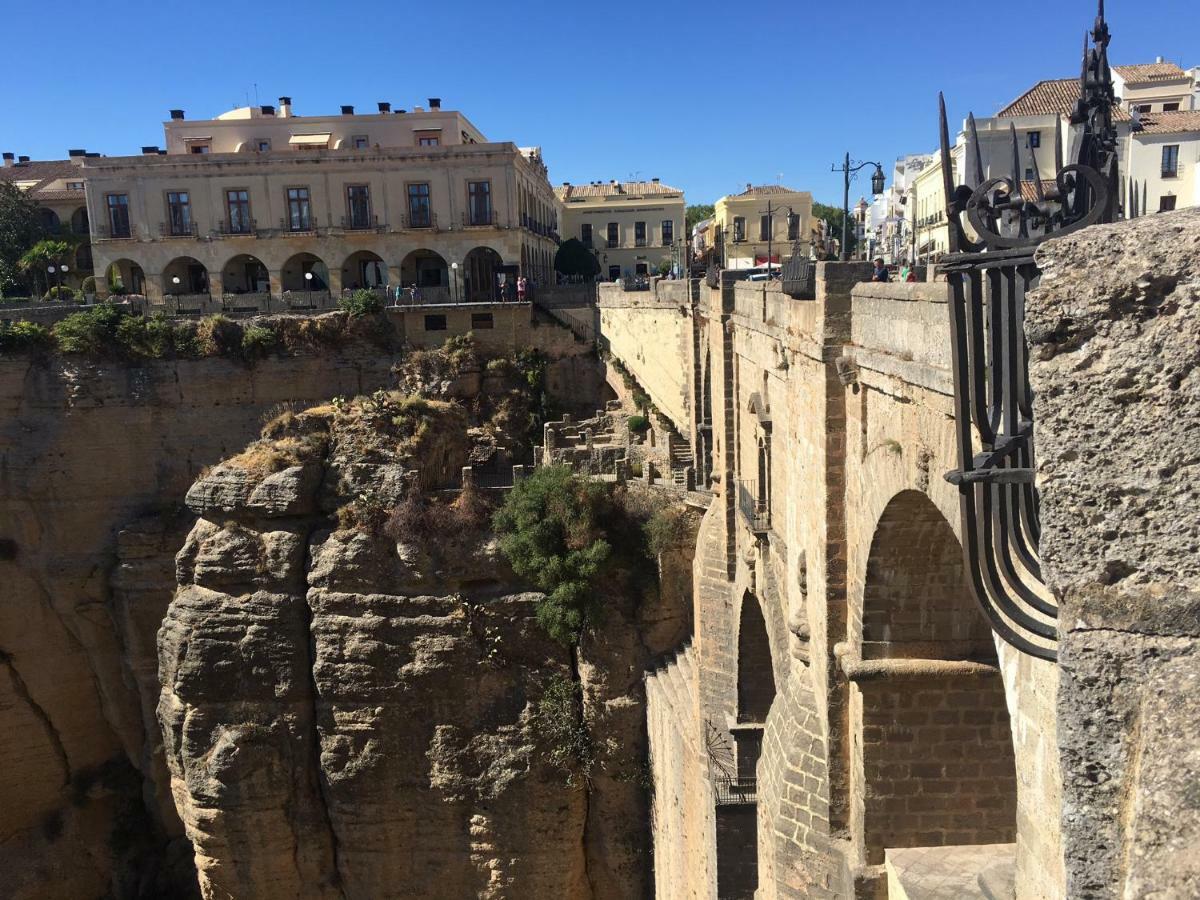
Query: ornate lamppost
[848, 172]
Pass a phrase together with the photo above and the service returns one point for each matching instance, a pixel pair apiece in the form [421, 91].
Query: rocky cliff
[353, 681]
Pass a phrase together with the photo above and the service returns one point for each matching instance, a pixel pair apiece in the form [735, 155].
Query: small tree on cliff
[551, 533]
[576, 261]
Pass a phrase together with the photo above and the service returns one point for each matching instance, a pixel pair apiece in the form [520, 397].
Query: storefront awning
[309, 140]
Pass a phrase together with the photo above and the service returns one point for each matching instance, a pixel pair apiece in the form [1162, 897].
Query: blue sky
[679, 91]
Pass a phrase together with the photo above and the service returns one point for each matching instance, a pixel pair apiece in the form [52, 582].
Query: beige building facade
[633, 227]
[259, 201]
[762, 222]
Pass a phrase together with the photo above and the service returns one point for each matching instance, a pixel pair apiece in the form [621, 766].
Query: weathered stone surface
[227, 489]
[1115, 352]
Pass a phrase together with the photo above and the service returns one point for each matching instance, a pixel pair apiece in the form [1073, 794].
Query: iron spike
[974, 132]
[1016, 160]
[947, 175]
[1037, 175]
[1058, 145]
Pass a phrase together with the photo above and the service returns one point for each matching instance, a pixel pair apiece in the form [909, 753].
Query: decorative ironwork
[799, 274]
[735, 790]
[995, 226]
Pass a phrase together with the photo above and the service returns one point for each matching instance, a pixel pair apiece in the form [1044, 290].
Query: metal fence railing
[731, 790]
[756, 508]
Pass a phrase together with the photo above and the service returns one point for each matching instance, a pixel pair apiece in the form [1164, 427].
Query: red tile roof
[630, 189]
[1149, 72]
[44, 172]
[1180, 122]
[1046, 98]
[764, 190]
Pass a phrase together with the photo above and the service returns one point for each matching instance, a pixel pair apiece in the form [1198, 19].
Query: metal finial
[1016, 159]
[974, 132]
[1037, 175]
[1058, 144]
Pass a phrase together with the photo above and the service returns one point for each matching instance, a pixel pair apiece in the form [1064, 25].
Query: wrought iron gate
[990, 269]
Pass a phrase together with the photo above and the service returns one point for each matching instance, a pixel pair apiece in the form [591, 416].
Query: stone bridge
[842, 722]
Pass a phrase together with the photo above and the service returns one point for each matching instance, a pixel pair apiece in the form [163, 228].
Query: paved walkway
[952, 873]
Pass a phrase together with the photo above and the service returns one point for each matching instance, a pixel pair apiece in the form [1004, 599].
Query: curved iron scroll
[995, 227]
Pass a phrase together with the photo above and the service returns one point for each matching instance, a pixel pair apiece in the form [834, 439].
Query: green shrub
[89, 285]
[668, 527]
[258, 341]
[361, 302]
[551, 533]
[23, 336]
[639, 424]
[559, 724]
[61, 292]
[219, 335]
[92, 331]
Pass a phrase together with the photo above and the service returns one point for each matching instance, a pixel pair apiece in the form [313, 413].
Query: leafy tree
[362, 302]
[551, 533]
[20, 229]
[46, 252]
[698, 213]
[832, 216]
[576, 261]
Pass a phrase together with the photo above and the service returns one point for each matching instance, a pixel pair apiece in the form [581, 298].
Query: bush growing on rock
[258, 341]
[23, 336]
[559, 723]
[361, 302]
[639, 424]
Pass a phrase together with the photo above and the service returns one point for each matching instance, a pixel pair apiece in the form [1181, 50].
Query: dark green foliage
[559, 724]
[91, 331]
[21, 337]
[640, 398]
[63, 293]
[575, 260]
[698, 213]
[89, 285]
[639, 424]
[258, 341]
[361, 302]
[19, 231]
[552, 534]
[668, 527]
[832, 216]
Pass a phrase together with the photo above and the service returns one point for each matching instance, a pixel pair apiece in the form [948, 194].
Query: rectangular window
[612, 234]
[1142, 108]
[639, 234]
[199, 148]
[299, 209]
[179, 213]
[479, 202]
[739, 228]
[1035, 139]
[1170, 161]
[614, 272]
[641, 269]
[419, 213]
[264, 146]
[1167, 203]
[74, 185]
[358, 206]
[118, 215]
[360, 142]
[237, 204]
[585, 234]
[668, 232]
[764, 228]
[1028, 174]
[435, 323]
[482, 320]
[431, 140]
[1170, 107]
[793, 222]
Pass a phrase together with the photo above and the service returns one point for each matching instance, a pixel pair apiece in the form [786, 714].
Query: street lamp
[454, 282]
[848, 171]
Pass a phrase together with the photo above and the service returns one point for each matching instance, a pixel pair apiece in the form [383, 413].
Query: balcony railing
[362, 223]
[667, 240]
[306, 226]
[106, 232]
[639, 242]
[237, 228]
[178, 229]
[1170, 173]
[611, 243]
[587, 242]
[479, 219]
[424, 220]
[732, 790]
[756, 509]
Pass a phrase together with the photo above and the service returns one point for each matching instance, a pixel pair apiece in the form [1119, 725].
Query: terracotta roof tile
[1046, 98]
[1180, 122]
[1147, 72]
[1029, 189]
[764, 190]
[631, 189]
[44, 172]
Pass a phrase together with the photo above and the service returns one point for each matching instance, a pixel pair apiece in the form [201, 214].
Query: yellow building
[633, 227]
[763, 218]
[931, 233]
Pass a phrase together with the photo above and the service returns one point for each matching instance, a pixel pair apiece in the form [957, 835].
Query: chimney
[9, 159]
[88, 155]
[1158, 59]
[385, 107]
[285, 107]
[21, 160]
[654, 180]
[435, 102]
[347, 110]
[149, 151]
[177, 114]
[566, 184]
[268, 110]
[74, 153]
[748, 187]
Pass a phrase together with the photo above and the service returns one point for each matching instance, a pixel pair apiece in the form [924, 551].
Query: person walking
[881, 272]
[521, 287]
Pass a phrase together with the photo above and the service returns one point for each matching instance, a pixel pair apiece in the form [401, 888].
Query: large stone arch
[245, 274]
[304, 272]
[480, 268]
[931, 741]
[124, 276]
[185, 275]
[364, 269]
[425, 269]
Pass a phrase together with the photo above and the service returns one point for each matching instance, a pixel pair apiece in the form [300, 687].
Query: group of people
[882, 273]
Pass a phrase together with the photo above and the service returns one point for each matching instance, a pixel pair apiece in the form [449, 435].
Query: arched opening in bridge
[480, 268]
[245, 274]
[364, 269]
[933, 753]
[184, 275]
[304, 272]
[424, 269]
[124, 276]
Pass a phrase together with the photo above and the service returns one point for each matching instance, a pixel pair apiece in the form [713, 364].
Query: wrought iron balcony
[480, 219]
[237, 228]
[421, 220]
[178, 229]
[106, 232]
[612, 243]
[362, 223]
[303, 226]
[732, 790]
[756, 508]
[639, 242]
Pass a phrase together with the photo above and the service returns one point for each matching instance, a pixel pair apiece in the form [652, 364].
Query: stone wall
[1115, 356]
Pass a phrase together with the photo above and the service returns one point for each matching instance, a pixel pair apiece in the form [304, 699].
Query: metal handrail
[756, 510]
[351, 223]
[105, 232]
[172, 229]
[731, 790]
[309, 227]
[470, 220]
[248, 228]
[429, 220]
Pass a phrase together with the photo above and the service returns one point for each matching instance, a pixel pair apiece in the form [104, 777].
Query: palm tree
[42, 255]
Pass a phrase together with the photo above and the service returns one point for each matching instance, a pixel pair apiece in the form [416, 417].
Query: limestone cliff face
[350, 710]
